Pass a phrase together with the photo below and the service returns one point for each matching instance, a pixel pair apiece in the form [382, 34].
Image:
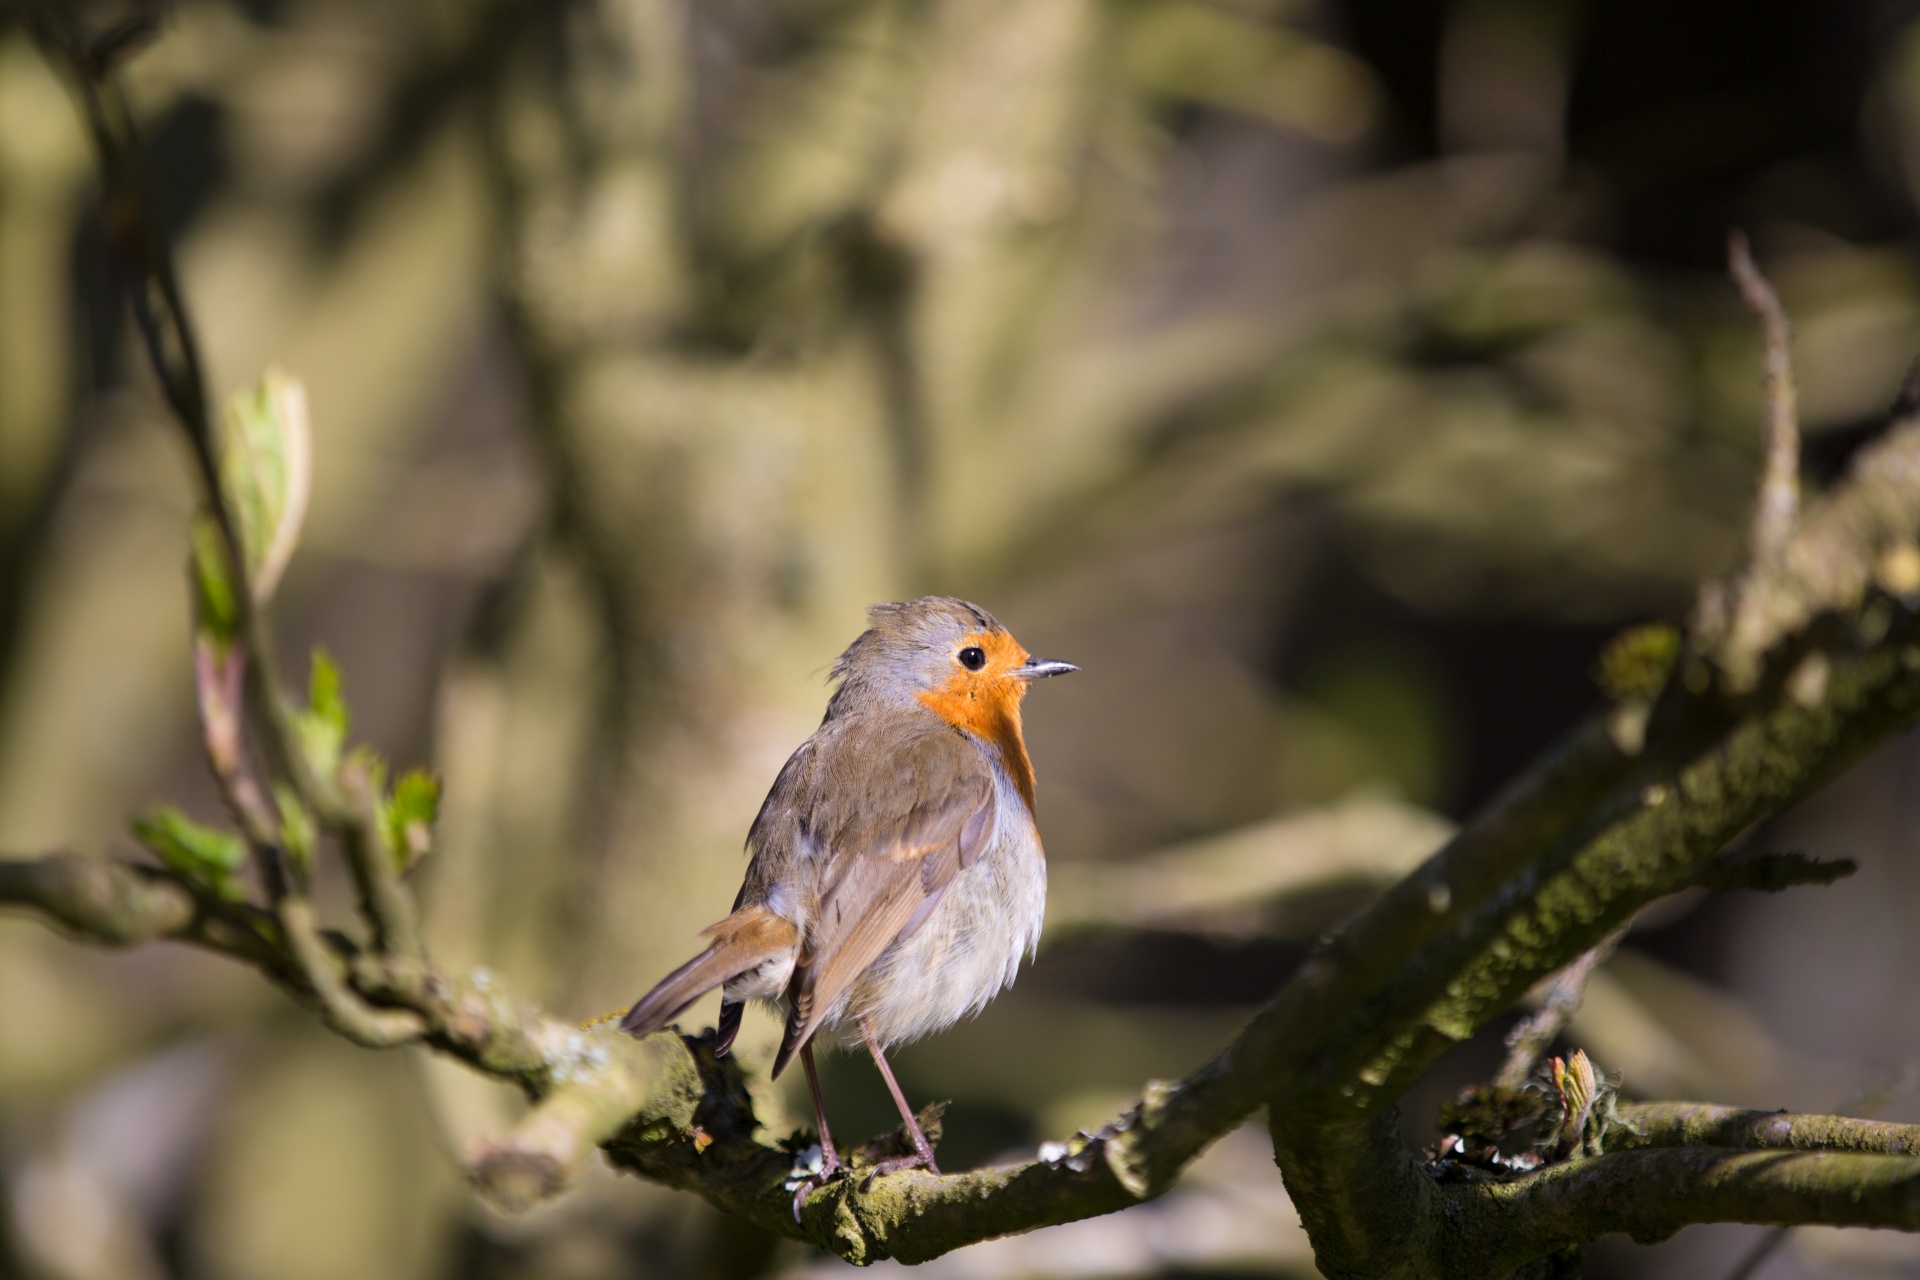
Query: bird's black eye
[973, 657]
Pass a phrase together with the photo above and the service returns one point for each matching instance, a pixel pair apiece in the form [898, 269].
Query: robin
[897, 877]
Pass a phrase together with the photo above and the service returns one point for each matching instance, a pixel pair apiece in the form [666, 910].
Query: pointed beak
[1040, 669]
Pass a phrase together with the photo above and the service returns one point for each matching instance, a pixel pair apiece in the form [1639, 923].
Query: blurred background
[1328, 378]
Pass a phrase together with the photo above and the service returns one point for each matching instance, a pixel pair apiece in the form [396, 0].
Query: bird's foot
[805, 1181]
[908, 1147]
[921, 1158]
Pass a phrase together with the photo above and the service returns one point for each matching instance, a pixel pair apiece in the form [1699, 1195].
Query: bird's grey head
[914, 647]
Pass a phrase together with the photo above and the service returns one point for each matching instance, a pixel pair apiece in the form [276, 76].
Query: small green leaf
[216, 607]
[203, 854]
[322, 726]
[299, 833]
[1579, 1088]
[410, 815]
[266, 472]
[324, 697]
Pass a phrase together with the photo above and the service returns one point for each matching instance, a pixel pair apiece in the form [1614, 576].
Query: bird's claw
[922, 1159]
[811, 1184]
[805, 1186]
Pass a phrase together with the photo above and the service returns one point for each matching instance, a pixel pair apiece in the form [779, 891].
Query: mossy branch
[1682, 1124]
[1649, 1194]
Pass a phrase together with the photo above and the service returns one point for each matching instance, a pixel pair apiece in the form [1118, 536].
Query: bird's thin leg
[922, 1157]
[829, 1157]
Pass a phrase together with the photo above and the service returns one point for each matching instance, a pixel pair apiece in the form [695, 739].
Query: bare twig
[237, 685]
[538, 1157]
[1737, 620]
[1527, 1041]
[1768, 873]
[1775, 872]
[1778, 503]
[343, 1009]
[1757, 1256]
[374, 863]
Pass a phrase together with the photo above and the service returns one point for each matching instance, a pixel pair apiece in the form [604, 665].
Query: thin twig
[345, 1011]
[239, 686]
[1738, 619]
[1758, 1255]
[1778, 504]
[1527, 1041]
[1862, 1102]
[384, 900]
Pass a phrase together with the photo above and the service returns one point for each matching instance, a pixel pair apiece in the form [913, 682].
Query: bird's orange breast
[986, 703]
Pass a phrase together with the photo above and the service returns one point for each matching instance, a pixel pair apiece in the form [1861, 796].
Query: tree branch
[1274, 877]
[1596, 833]
[109, 903]
[1651, 1193]
[1778, 503]
[1697, 1124]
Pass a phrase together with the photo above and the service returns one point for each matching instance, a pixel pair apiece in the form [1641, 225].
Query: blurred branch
[1779, 499]
[1865, 1101]
[1801, 566]
[1265, 878]
[118, 904]
[432, 93]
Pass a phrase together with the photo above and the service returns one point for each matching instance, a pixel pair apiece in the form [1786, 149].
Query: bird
[896, 878]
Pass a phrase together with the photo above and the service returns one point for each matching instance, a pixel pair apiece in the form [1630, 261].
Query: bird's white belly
[970, 946]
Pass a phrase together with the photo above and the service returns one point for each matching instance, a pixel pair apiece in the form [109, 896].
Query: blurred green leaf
[205, 855]
[324, 697]
[409, 816]
[322, 726]
[216, 605]
[266, 472]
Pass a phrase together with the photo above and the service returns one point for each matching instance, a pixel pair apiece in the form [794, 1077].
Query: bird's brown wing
[892, 830]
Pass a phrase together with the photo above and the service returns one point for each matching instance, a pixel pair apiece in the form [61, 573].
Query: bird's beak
[1040, 668]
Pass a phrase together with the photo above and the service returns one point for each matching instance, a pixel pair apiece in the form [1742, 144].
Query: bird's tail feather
[744, 939]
